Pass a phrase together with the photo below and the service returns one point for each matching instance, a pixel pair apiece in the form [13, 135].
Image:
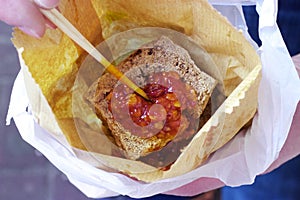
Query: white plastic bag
[238, 162]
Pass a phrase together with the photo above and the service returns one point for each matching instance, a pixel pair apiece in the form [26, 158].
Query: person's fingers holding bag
[26, 15]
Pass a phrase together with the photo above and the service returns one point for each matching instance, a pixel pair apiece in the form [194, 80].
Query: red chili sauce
[164, 116]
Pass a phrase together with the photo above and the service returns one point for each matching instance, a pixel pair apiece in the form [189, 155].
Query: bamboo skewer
[61, 22]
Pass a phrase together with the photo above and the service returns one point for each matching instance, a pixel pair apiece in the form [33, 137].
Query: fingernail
[44, 4]
[30, 32]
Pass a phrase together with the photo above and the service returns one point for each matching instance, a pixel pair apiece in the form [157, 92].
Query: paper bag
[238, 162]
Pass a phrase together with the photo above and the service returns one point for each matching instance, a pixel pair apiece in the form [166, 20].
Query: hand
[296, 60]
[290, 149]
[26, 16]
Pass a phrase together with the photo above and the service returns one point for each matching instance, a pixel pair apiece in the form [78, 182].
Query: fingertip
[33, 32]
[48, 4]
[35, 23]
